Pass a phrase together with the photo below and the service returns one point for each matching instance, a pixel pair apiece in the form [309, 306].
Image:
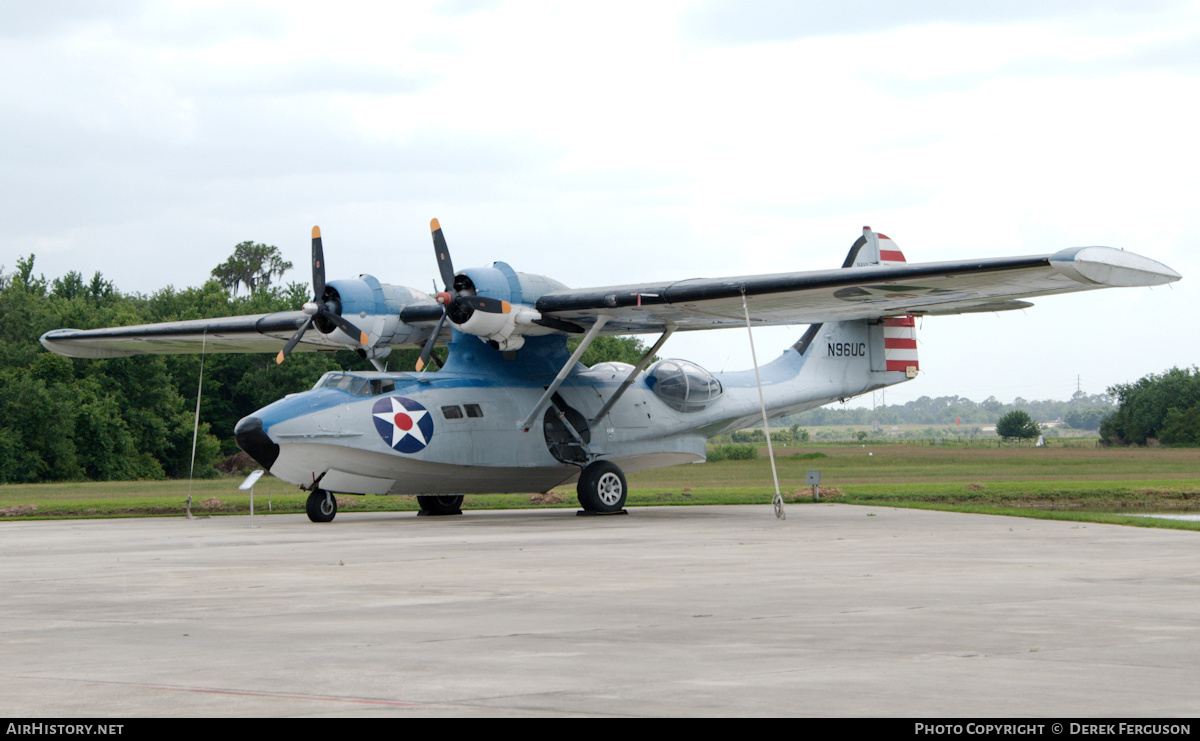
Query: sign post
[814, 480]
[249, 484]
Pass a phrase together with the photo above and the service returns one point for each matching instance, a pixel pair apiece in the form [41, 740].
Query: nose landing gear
[321, 506]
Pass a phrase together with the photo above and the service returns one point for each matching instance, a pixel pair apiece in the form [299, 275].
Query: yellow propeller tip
[316, 232]
[420, 364]
[505, 307]
[364, 339]
[434, 225]
[279, 358]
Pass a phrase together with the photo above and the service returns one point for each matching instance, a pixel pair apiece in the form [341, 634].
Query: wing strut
[641, 365]
[552, 389]
[778, 501]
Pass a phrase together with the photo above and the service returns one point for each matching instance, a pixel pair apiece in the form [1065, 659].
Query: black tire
[602, 488]
[320, 506]
[441, 505]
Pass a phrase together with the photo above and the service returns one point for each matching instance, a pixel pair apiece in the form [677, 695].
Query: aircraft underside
[336, 469]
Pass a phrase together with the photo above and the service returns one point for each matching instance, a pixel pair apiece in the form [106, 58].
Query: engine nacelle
[520, 290]
[374, 308]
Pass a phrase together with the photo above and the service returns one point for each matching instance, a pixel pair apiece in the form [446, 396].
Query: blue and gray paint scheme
[512, 411]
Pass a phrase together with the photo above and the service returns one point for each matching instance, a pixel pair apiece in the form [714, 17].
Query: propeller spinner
[319, 307]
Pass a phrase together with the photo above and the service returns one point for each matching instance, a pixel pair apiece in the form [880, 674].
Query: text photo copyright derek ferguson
[1158, 729]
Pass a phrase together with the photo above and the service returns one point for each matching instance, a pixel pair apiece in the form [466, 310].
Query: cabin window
[684, 386]
[473, 410]
[452, 413]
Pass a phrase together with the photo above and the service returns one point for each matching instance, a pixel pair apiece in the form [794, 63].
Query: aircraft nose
[253, 439]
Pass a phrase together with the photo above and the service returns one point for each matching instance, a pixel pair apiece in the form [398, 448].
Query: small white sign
[249, 482]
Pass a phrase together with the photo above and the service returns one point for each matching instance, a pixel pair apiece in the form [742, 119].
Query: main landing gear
[441, 505]
[321, 506]
[602, 489]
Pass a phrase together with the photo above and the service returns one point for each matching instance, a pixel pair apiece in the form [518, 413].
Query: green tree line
[1157, 408]
[1082, 412]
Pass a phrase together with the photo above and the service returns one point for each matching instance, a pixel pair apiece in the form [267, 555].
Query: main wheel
[602, 488]
[321, 506]
[441, 505]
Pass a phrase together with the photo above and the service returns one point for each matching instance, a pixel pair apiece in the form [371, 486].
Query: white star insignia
[397, 417]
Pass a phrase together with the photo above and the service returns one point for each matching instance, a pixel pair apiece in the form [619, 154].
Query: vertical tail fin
[873, 248]
[899, 333]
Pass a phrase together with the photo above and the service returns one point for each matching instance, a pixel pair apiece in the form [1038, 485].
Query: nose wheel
[602, 489]
[321, 506]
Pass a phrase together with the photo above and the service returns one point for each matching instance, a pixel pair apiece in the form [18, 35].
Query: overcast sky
[603, 143]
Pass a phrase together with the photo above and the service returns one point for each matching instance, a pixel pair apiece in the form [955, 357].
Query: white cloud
[625, 142]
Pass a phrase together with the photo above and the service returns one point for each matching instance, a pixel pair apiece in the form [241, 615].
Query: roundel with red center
[403, 424]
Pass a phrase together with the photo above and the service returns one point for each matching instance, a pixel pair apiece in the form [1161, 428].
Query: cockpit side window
[382, 386]
[356, 385]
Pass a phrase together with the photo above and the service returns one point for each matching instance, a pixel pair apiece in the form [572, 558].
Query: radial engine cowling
[504, 331]
[374, 307]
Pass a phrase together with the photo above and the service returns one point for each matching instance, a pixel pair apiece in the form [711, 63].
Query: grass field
[1076, 481]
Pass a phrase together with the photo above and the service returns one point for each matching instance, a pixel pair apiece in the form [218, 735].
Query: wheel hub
[609, 488]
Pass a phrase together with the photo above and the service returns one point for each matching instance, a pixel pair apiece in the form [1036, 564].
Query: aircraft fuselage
[457, 431]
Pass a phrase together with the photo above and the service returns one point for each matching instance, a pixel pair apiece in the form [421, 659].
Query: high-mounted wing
[502, 307]
[252, 333]
[940, 288]
[324, 324]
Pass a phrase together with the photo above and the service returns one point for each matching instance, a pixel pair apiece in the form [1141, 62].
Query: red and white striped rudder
[900, 344]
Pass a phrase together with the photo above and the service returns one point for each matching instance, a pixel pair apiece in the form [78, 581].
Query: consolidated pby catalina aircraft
[512, 411]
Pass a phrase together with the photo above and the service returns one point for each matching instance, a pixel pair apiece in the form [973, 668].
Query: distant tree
[606, 349]
[1151, 406]
[252, 265]
[1017, 425]
[1086, 419]
[1182, 427]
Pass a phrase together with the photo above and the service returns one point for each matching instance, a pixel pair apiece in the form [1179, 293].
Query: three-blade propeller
[320, 306]
[461, 305]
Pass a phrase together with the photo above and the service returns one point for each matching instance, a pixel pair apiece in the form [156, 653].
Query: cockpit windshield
[356, 385]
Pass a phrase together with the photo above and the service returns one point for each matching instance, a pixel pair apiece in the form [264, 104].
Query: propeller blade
[485, 304]
[428, 349]
[445, 266]
[318, 260]
[347, 327]
[291, 344]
